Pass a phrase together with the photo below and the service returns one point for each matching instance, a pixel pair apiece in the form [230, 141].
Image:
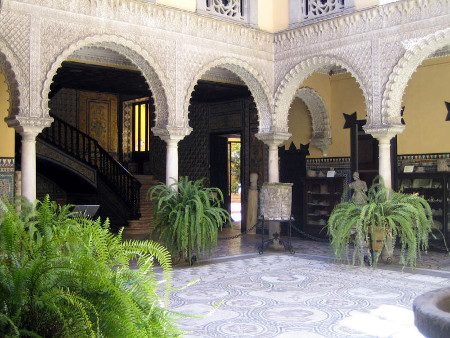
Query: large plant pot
[378, 238]
[432, 313]
[276, 201]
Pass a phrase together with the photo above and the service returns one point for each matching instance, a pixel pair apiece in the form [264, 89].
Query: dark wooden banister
[87, 150]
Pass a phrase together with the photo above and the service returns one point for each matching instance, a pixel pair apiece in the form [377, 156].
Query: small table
[276, 237]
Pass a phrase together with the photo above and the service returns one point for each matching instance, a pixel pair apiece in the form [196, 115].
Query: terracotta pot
[377, 239]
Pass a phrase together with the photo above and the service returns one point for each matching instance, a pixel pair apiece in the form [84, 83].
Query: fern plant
[405, 218]
[188, 216]
[66, 276]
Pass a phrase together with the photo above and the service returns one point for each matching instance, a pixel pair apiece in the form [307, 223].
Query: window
[141, 127]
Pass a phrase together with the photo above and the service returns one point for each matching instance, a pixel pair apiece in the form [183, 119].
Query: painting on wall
[7, 168]
[98, 119]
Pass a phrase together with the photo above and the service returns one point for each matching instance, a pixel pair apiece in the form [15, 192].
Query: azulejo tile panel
[7, 167]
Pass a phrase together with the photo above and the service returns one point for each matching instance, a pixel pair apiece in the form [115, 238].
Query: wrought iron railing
[87, 150]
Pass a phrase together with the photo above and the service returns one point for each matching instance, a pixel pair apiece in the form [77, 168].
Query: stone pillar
[29, 164]
[384, 164]
[384, 136]
[28, 128]
[172, 161]
[273, 140]
[172, 135]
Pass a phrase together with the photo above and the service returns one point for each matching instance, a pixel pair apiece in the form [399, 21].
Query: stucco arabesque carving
[417, 50]
[285, 93]
[139, 56]
[250, 76]
[363, 21]
[155, 16]
[14, 58]
[321, 129]
[12, 72]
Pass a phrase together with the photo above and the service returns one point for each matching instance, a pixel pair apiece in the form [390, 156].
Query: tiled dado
[342, 166]
[427, 161]
[7, 167]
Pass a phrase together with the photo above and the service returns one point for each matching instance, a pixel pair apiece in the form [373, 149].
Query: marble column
[384, 158]
[172, 135]
[273, 140]
[28, 161]
[172, 161]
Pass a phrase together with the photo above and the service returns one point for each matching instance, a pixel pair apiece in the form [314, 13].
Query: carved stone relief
[249, 75]
[416, 52]
[321, 129]
[296, 76]
[140, 57]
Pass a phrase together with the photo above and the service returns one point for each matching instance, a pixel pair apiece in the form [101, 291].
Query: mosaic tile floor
[307, 294]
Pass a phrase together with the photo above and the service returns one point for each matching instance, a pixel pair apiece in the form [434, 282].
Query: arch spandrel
[416, 52]
[286, 91]
[16, 83]
[136, 54]
[250, 76]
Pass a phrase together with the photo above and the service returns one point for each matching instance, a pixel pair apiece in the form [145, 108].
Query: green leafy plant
[66, 276]
[405, 218]
[188, 216]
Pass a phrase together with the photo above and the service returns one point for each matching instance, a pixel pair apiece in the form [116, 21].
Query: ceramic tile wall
[7, 167]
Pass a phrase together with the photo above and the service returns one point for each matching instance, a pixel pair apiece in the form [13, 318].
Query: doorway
[364, 153]
[226, 171]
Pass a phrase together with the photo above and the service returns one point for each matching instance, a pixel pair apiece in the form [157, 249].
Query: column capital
[273, 138]
[28, 125]
[384, 133]
[172, 134]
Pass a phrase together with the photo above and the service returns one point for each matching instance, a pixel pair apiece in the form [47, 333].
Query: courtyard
[308, 294]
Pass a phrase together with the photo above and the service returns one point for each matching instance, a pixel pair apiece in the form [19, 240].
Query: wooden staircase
[140, 228]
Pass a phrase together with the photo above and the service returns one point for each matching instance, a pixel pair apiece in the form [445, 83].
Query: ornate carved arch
[416, 52]
[321, 135]
[251, 78]
[16, 82]
[286, 91]
[135, 53]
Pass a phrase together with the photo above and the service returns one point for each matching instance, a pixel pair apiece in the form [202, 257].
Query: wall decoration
[98, 118]
[7, 168]
[429, 162]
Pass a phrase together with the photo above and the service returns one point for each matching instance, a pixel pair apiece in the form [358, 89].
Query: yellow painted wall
[273, 15]
[188, 5]
[347, 98]
[6, 133]
[341, 94]
[361, 4]
[426, 130]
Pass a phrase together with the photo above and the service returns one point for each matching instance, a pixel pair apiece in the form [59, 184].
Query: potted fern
[188, 217]
[402, 218]
[66, 276]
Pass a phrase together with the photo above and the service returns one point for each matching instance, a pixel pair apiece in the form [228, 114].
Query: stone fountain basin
[432, 313]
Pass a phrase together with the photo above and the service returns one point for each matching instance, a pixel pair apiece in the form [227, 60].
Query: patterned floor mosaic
[283, 295]
[308, 294]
